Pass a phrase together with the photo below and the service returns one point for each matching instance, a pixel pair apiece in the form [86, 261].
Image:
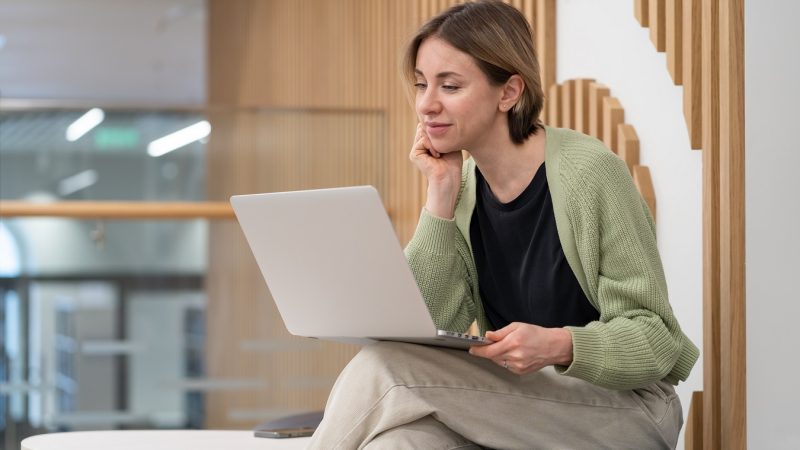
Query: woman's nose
[428, 103]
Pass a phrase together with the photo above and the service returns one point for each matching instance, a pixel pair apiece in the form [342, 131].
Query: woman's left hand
[523, 348]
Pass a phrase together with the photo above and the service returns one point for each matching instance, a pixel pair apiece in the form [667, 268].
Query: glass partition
[104, 322]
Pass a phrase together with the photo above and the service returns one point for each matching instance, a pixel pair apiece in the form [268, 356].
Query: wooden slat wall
[613, 116]
[710, 143]
[711, 52]
[674, 39]
[692, 67]
[658, 24]
[586, 106]
[628, 145]
[597, 92]
[318, 101]
[644, 183]
[641, 11]
[582, 104]
[733, 343]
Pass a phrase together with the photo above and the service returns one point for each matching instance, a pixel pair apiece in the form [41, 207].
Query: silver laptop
[335, 268]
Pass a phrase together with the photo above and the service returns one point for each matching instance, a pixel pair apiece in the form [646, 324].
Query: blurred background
[144, 318]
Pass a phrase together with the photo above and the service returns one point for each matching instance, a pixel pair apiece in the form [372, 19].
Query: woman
[540, 237]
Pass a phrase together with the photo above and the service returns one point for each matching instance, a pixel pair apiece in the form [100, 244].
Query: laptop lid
[333, 264]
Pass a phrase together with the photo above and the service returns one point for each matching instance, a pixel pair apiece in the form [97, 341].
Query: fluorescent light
[85, 123]
[179, 138]
[75, 183]
[3, 41]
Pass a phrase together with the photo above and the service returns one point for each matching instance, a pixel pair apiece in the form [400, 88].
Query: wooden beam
[118, 210]
[658, 22]
[613, 116]
[692, 70]
[711, 237]
[674, 40]
[582, 105]
[568, 104]
[644, 183]
[640, 10]
[733, 342]
[693, 439]
[554, 106]
[545, 34]
[597, 92]
[628, 145]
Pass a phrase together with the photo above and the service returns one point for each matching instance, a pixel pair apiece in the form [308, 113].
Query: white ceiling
[117, 51]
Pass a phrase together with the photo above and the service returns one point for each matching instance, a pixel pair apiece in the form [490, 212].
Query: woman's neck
[507, 167]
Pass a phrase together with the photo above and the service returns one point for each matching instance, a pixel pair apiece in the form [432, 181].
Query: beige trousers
[398, 396]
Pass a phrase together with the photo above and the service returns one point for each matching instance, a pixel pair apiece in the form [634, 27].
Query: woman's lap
[389, 385]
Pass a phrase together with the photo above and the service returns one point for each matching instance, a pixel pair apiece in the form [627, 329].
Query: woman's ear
[512, 91]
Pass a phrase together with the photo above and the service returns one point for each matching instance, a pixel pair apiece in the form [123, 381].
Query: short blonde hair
[500, 40]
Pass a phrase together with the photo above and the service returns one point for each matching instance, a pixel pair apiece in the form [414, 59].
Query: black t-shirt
[523, 274]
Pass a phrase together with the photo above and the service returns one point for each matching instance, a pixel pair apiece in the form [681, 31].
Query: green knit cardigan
[608, 238]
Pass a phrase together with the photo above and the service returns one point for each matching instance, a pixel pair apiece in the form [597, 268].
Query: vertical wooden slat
[597, 92]
[733, 343]
[657, 23]
[692, 69]
[674, 39]
[554, 106]
[711, 236]
[643, 182]
[641, 11]
[567, 104]
[693, 439]
[613, 116]
[545, 31]
[628, 145]
[582, 105]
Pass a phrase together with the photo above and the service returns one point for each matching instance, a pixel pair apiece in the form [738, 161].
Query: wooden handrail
[118, 210]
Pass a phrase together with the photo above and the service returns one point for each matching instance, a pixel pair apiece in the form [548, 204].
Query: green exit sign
[116, 138]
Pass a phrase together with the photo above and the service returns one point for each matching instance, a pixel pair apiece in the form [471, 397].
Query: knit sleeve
[637, 339]
[435, 255]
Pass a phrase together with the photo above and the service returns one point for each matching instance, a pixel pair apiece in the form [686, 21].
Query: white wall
[772, 165]
[603, 40]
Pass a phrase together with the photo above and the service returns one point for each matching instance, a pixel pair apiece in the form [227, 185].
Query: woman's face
[454, 100]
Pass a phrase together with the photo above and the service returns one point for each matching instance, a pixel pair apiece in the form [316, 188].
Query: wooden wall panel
[628, 145]
[733, 343]
[644, 183]
[582, 105]
[657, 23]
[692, 69]
[597, 92]
[618, 136]
[613, 116]
[567, 104]
[694, 423]
[641, 11]
[711, 236]
[545, 32]
[674, 39]
[554, 104]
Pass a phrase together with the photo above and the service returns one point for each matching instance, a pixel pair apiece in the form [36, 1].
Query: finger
[493, 351]
[498, 335]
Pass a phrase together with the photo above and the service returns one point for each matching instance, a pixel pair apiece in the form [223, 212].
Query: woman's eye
[448, 87]
[420, 86]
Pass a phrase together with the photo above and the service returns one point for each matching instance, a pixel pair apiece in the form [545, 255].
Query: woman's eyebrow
[440, 74]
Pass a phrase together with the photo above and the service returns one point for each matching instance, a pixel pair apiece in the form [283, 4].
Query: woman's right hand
[441, 170]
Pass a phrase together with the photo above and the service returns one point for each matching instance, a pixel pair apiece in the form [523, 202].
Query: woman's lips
[436, 129]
